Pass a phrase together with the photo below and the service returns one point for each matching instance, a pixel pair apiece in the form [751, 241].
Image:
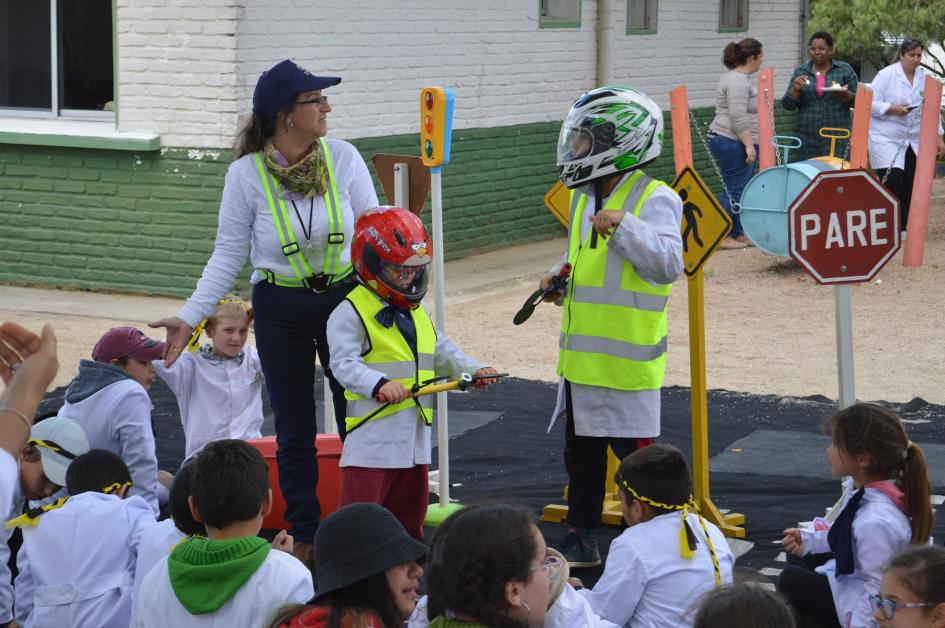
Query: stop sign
[844, 226]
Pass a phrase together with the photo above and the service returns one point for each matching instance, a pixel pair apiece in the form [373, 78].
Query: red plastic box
[329, 477]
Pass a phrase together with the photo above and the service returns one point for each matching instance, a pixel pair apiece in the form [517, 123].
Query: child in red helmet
[382, 343]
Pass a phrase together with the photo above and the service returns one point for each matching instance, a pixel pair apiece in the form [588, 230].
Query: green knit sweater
[205, 574]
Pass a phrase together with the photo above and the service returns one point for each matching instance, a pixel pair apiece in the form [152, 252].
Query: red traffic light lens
[428, 123]
[428, 147]
[428, 100]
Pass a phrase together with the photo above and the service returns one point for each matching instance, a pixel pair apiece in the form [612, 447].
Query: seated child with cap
[368, 572]
[218, 385]
[54, 443]
[109, 399]
[78, 556]
[659, 567]
[232, 577]
[383, 342]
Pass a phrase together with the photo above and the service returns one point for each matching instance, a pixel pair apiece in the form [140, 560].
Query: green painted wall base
[145, 222]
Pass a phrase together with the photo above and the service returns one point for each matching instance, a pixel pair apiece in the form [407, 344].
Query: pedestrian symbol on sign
[704, 223]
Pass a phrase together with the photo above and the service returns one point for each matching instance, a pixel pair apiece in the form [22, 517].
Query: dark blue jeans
[290, 330]
[730, 155]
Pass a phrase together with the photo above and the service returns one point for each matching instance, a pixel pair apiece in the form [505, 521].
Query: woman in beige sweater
[733, 134]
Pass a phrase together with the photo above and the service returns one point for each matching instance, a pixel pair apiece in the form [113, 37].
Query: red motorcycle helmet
[391, 253]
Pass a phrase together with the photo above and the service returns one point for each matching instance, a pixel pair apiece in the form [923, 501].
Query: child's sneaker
[579, 548]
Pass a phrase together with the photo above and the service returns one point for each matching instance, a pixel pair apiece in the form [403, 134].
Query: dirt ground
[770, 328]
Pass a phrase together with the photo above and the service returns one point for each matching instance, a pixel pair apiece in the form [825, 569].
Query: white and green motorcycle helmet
[610, 129]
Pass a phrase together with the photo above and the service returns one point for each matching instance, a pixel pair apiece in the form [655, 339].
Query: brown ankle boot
[305, 552]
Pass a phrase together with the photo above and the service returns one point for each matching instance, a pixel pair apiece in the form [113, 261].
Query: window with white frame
[641, 16]
[56, 58]
[733, 15]
[559, 13]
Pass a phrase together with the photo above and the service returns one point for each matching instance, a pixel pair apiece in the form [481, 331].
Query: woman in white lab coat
[894, 126]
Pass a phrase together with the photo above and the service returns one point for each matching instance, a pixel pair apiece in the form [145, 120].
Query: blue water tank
[766, 198]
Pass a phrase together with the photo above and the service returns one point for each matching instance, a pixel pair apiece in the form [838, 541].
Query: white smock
[217, 397]
[651, 242]
[880, 531]
[77, 563]
[647, 584]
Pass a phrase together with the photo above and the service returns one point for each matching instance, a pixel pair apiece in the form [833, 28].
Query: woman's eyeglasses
[551, 563]
[889, 607]
[318, 100]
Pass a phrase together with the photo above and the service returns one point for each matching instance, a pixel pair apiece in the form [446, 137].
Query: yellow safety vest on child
[391, 355]
[613, 330]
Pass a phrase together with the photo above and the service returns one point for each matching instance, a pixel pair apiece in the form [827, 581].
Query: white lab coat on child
[880, 531]
[218, 397]
[648, 584]
[281, 579]
[77, 563]
[117, 417]
[156, 543]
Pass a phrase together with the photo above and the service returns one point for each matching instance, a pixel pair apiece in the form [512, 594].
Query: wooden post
[924, 172]
[860, 135]
[766, 150]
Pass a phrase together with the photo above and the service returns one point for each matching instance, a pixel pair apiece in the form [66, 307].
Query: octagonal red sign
[844, 226]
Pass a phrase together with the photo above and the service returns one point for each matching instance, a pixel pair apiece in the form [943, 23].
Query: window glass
[25, 72]
[85, 54]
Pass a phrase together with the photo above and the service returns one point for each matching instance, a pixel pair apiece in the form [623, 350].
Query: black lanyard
[311, 210]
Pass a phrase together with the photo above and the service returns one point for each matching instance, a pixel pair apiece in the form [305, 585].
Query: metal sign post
[843, 228]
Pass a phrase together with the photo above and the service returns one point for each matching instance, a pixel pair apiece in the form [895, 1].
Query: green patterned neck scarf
[309, 177]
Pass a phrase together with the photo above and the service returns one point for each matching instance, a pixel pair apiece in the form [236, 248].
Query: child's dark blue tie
[840, 536]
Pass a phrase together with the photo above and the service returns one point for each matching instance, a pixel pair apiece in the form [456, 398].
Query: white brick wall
[176, 72]
[187, 71]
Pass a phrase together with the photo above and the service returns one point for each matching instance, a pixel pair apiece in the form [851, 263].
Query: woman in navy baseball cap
[291, 198]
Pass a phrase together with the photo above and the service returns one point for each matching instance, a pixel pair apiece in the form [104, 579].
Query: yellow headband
[687, 540]
[111, 488]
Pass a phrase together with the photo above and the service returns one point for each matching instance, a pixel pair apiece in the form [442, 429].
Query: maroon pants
[404, 492]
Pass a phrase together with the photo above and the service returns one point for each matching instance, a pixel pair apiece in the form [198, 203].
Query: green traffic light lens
[428, 147]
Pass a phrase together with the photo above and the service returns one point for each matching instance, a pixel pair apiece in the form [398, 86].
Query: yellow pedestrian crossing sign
[704, 223]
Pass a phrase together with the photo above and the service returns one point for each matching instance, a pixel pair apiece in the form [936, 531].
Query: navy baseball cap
[278, 85]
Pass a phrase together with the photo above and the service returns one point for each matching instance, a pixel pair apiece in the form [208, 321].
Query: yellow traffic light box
[436, 125]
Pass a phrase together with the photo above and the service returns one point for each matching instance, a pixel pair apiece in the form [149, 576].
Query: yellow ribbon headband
[54, 447]
[687, 538]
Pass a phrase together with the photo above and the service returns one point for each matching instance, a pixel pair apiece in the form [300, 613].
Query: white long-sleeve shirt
[651, 242]
[246, 222]
[217, 397]
[880, 531]
[156, 544]
[77, 564]
[6, 578]
[399, 441]
[889, 133]
[647, 584]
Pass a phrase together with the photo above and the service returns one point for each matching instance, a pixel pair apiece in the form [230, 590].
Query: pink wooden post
[766, 156]
[924, 171]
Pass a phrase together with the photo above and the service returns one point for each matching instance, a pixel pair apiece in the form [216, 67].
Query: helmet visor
[409, 281]
[574, 143]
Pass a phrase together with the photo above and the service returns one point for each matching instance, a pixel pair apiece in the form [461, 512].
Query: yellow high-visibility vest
[390, 354]
[613, 331]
